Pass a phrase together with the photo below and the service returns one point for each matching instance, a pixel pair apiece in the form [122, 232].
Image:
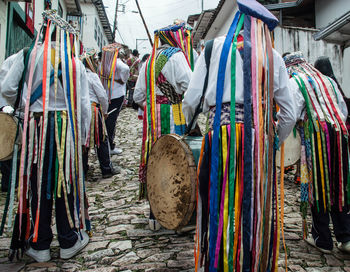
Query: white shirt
[96, 91]
[282, 94]
[122, 73]
[5, 67]
[300, 104]
[176, 70]
[10, 83]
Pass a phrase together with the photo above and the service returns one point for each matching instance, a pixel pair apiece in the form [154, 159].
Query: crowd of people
[253, 99]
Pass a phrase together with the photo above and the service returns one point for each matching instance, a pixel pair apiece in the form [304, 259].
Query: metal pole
[115, 19]
[144, 23]
[202, 5]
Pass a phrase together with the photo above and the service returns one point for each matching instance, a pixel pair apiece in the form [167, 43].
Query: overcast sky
[157, 14]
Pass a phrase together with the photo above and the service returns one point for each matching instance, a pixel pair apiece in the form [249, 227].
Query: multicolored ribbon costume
[325, 179]
[238, 214]
[53, 136]
[163, 114]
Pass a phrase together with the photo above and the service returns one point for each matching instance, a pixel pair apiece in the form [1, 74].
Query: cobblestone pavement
[122, 240]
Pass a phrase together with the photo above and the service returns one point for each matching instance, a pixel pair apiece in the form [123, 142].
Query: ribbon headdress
[109, 65]
[88, 59]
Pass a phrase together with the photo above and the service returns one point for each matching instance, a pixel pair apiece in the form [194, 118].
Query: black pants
[111, 121]
[102, 152]
[5, 167]
[67, 236]
[131, 87]
[320, 219]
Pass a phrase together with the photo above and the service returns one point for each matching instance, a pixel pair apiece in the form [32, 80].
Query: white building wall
[329, 10]
[3, 28]
[291, 39]
[223, 20]
[39, 8]
[88, 27]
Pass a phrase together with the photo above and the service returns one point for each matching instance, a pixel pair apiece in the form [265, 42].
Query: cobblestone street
[122, 240]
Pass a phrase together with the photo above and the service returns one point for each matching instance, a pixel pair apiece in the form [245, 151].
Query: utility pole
[144, 23]
[202, 5]
[115, 19]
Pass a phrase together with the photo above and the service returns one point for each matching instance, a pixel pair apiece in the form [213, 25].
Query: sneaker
[311, 242]
[153, 224]
[116, 151]
[114, 171]
[345, 247]
[66, 253]
[41, 256]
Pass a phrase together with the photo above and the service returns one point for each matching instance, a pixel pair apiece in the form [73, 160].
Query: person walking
[322, 111]
[53, 99]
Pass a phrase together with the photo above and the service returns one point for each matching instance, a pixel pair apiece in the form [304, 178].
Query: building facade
[20, 21]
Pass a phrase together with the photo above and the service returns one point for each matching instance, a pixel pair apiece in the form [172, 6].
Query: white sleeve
[9, 84]
[100, 92]
[85, 103]
[195, 89]
[299, 101]
[4, 69]
[122, 71]
[140, 87]
[284, 99]
[177, 72]
[341, 103]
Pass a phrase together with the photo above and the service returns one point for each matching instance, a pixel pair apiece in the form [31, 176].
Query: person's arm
[100, 93]
[140, 87]
[122, 72]
[85, 103]
[195, 89]
[342, 105]
[284, 99]
[10, 82]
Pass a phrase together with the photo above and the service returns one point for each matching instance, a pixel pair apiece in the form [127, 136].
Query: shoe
[114, 171]
[345, 247]
[116, 151]
[153, 224]
[311, 242]
[66, 253]
[41, 256]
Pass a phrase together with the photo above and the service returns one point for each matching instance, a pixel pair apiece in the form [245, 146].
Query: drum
[8, 135]
[171, 179]
[292, 148]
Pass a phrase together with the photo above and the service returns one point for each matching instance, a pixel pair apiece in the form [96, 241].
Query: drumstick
[108, 113]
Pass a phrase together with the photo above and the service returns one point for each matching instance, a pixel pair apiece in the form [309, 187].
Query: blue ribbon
[248, 160]
[214, 201]
[38, 92]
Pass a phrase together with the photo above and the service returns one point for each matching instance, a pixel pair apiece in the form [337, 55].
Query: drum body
[292, 149]
[171, 179]
[8, 135]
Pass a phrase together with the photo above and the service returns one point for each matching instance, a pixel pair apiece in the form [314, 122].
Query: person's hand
[8, 109]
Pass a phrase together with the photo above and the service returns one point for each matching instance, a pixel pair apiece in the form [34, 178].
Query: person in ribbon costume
[114, 74]
[238, 216]
[54, 98]
[325, 179]
[99, 105]
[162, 81]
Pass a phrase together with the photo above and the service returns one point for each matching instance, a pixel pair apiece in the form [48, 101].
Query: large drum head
[7, 136]
[292, 148]
[171, 181]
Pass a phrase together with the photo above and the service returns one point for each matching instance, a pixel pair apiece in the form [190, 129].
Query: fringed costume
[325, 178]
[238, 197]
[49, 168]
[161, 84]
[97, 137]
